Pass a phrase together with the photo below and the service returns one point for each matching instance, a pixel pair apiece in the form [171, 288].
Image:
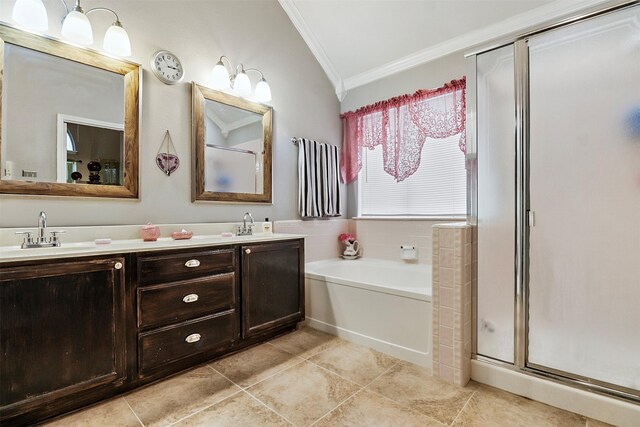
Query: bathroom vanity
[75, 329]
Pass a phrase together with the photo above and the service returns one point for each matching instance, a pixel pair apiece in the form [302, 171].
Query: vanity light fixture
[75, 25]
[31, 14]
[239, 82]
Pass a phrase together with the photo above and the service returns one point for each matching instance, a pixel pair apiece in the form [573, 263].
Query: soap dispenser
[267, 226]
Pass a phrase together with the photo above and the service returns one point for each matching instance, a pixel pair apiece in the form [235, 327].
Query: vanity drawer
[162, 346]
[168, 268]
[174, 302]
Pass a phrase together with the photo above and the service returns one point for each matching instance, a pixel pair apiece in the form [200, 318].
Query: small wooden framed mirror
[70, 119]
[231, 148]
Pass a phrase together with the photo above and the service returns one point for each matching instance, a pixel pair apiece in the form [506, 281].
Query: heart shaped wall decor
[168, 163]
[167, 159]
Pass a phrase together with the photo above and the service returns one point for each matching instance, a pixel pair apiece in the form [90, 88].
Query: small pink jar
[150, 232]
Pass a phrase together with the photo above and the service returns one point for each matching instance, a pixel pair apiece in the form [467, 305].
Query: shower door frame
[521, 244]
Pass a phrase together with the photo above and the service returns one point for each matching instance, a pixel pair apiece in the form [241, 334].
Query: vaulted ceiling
[360, 41]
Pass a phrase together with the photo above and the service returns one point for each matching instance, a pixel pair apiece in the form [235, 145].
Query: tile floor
[312, 378]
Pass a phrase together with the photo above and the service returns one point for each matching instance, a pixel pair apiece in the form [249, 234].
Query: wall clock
[167, 67]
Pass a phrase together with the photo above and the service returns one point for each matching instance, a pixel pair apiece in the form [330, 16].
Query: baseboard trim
[596, 406]
[404, 353]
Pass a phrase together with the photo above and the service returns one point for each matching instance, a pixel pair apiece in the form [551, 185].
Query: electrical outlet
[29, 174]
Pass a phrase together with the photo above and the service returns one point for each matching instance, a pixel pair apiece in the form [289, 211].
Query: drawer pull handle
[117, 265]
[192, 263]
[247, 251]
[190, 298]
[192, 338]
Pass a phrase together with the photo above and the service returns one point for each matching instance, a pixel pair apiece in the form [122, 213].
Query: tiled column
[452, 259]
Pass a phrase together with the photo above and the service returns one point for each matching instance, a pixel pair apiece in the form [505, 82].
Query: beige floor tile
[367, 409]
[414, 387]
[239, 410]
[255, 364]
[490, 406]
[595, 423]
[114, 413]
[306, 342]
[170, 400]
[303, 393]
[354, 362]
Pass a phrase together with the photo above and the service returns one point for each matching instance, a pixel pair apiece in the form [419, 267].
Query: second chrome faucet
[244, 229]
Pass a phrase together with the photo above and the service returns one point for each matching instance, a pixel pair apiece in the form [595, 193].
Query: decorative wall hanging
[167, 158]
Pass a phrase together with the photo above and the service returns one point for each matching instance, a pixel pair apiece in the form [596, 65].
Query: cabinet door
[61, 334]
[272, 286]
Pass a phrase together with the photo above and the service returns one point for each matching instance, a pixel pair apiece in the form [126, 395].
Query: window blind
[438, 187]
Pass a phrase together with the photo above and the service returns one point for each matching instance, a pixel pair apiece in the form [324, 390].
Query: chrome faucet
[42, 225]
[245, 230]
[40, 241]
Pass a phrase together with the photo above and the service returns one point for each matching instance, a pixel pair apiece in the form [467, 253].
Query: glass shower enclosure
[558, 202]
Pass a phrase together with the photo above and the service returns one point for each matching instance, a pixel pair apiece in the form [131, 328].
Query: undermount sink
[16, 251]
[208, 237]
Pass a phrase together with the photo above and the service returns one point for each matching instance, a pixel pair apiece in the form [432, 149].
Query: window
[437, 188]
[71, 143]
[408, 153]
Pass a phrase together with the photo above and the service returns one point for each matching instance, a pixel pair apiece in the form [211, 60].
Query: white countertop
[90, 248]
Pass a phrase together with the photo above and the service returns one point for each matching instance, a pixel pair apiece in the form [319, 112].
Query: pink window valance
[401, 125]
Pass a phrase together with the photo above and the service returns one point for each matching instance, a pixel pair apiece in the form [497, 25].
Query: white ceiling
[360, 41]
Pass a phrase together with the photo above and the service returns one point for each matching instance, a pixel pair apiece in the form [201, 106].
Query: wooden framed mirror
[231, 148]
[70, 119]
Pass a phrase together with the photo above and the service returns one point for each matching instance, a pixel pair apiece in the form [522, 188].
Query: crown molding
[316, 48]
[227, 127]
[517, 24]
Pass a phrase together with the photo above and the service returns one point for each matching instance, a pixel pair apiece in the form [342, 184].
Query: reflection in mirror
[232, 148]
[82, 144]
[69, 119]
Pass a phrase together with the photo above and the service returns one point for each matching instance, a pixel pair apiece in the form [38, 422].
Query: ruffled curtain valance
[401, 125]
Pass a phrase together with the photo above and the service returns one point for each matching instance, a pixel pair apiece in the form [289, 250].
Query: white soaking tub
[383, 304]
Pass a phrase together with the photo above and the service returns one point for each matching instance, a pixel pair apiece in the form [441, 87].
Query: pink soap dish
[181, 235]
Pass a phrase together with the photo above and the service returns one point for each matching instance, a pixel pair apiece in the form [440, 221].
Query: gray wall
[256, 33]
[430, 75]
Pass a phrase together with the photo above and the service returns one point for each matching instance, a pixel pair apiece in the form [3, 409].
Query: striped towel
[318, 179]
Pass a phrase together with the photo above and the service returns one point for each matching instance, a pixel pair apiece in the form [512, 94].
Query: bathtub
[385, 305]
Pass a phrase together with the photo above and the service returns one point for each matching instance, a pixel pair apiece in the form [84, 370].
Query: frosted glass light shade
[31, 14]
[77, 28]
[263, 91]
[242, 85]
[220, 77]
[116, 41]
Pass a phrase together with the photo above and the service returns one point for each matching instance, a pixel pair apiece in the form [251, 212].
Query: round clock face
[167, 67]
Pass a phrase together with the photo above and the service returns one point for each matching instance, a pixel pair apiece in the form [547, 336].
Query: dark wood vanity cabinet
[187, 308]
[62, 334]
[75, 331]
[272, 286]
